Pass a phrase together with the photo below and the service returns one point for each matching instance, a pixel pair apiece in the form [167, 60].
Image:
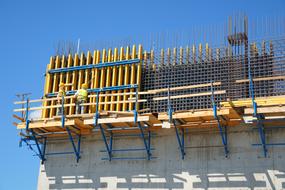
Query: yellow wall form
[121, 79]
[133, 79]
[102, 79]
[74, 83]
[114, 80]
[96, 78]
[48, 87]
[108, 79]
[126, 79]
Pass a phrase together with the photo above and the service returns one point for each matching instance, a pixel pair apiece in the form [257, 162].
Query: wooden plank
[185, 87]
[262, 79]
[72, 105]
[46, 124]
[195, 114]
[19, 118]
[72, 97]
[276, 110]
[263, 101]
[191, 95]
[117, 120]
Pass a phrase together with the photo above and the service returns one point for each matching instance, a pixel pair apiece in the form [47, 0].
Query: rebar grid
[228, 65]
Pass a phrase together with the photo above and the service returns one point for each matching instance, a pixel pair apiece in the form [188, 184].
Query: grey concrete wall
[203, 168]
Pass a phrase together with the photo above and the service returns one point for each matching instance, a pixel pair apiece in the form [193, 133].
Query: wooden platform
[205, 118]
[84, 124]
[231, 113]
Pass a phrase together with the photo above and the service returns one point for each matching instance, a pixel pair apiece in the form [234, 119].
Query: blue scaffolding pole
[222, 129]
[76, 150]
[260, 119]
[96, 66]
[30, 135]
[180, 137]
[109, 146]
[95, 90]
[40, 141]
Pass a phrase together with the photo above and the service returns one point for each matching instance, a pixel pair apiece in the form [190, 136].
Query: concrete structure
[203, 168]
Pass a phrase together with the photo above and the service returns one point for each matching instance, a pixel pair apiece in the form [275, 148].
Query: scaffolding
[139, 93]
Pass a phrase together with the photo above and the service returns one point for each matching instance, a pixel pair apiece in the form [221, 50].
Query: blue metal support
[109, 146]
[97, 109]
[75, 149]
[259, 117]
[180, 138]
[95, 90]
[27, 115]
[146, 144]
[109, 150]
[41, 150]
[223, 132]
[97, 66]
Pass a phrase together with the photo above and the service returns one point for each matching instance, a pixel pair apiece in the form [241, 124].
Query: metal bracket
[180, 138]
[109, 146]
[258, 116]
[223, 132]
[76, 150]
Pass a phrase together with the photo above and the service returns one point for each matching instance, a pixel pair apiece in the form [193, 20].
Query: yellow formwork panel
[68, 80]
[121, 79]
[74, 83]
[48, 87]
[96, 78]
[56, 78]
[139, 71]
[133, 73]
[87, 77]
[114, 80]
[126, 79]
[62, 75]
[81, 72]
[102, 80]
[108, 79]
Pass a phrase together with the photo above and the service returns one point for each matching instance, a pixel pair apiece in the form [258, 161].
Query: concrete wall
[205, 168]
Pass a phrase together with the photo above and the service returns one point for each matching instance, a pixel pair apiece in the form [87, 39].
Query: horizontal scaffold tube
[97, 66]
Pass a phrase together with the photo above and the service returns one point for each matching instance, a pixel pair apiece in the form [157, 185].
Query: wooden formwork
[95, 78]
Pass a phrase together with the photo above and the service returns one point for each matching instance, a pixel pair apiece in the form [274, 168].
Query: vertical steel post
[223, 133]
[144, 141]
[105, 142]
[179, 139]
[27, 115]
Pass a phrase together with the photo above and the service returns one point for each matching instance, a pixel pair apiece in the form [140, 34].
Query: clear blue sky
[30, 29]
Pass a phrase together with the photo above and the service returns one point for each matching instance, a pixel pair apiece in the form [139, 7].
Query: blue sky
[29, 31]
